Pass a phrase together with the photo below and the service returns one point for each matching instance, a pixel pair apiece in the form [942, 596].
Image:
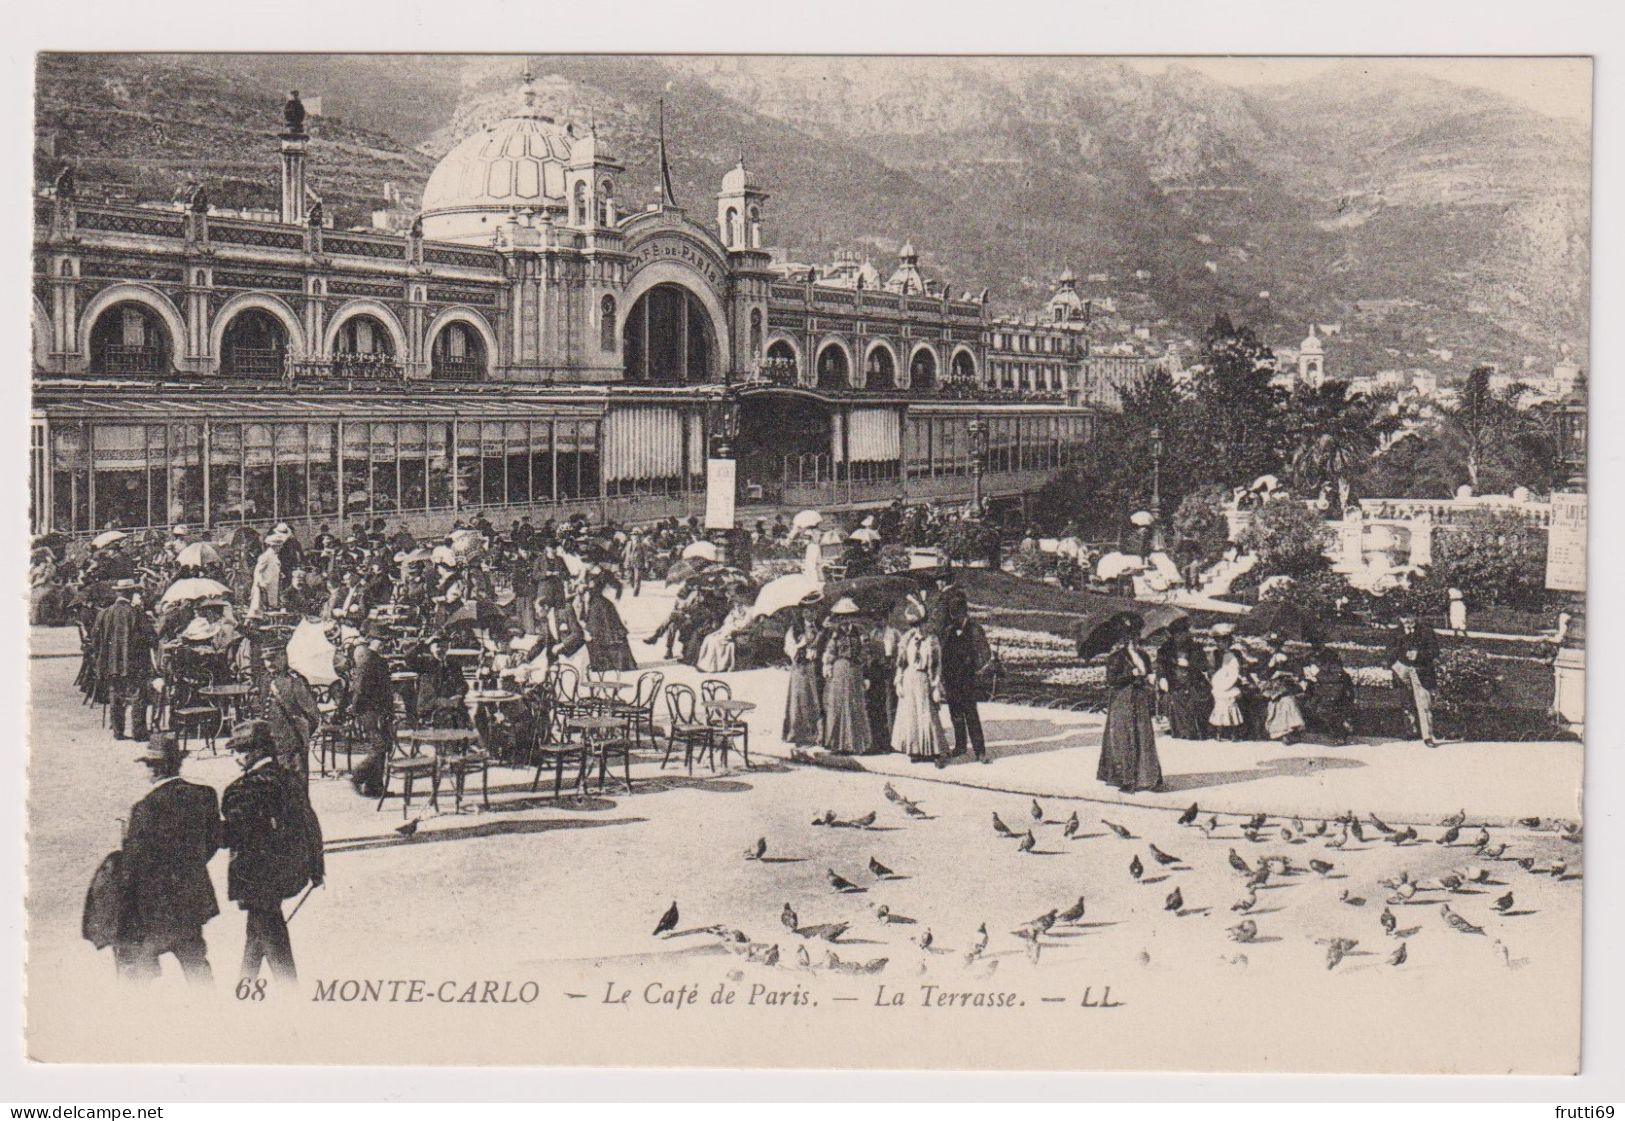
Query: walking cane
[299, 904]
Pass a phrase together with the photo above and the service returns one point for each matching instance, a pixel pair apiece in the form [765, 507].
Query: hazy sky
[1558, 87]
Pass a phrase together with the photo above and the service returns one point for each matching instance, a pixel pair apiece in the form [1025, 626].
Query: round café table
[484, 703]
[597, 739]
[729, 711]
[457, 754]
[603, 692]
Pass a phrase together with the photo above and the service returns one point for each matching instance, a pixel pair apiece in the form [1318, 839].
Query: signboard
[1566, 544]
[719, 494]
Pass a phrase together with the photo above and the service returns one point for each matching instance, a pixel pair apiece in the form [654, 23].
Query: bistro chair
[728, 728]
[456, 763]
[640, 710]
[558, 749]
[410, 766]
[564, 689]
[685, 728]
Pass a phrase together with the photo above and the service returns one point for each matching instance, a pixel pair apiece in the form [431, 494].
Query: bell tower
[294, 141]
[739, 210]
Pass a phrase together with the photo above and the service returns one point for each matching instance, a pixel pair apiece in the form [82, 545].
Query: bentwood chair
[411, 766]
[684, 727]
[639, 711]
[728, 727]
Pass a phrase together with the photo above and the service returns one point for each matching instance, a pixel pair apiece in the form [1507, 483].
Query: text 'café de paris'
[528, 347]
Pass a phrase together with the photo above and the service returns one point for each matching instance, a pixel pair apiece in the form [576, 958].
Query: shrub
[1288, 537]
[1495, 558]
[1201, 530]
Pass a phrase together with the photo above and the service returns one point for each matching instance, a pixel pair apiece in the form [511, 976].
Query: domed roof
[1311, 345]
[517, 162]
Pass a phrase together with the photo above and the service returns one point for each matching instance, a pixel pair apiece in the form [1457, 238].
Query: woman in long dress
[917, 731]
[717, 651]
[1284, 719]
[846, 658]
[1182, 676]
[1128, 751]
[1226, 717]
[607, 645]
[803, 703]
[41, 588]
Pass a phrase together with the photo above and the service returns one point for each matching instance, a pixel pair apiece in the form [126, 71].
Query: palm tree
[1335, 433]
[1484, 419]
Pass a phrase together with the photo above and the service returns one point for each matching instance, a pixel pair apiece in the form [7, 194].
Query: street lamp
[1156, 488]
[1571, 438]
[978, 460]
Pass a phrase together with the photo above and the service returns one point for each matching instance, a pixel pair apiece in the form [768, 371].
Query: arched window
[963, 368]
[129, 338]
[879, 372]
[730, 228]
[922, 371]
[580, 214]
[755, 332]
[606, 205]
[780, 364]
[607, 332]
[255, 344]
[458, 354]
[754, 217]
[832, 368]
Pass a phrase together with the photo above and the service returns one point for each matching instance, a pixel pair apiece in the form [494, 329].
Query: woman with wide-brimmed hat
[846, 659]
[1128, 750]
[803, 702]
[917, 730]
[1225, 685]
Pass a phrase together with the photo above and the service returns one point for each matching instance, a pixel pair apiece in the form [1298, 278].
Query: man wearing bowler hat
[276, 847]
[167, 896]
[123, 643]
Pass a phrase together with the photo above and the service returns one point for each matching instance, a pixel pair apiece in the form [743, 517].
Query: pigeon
[1341, 840]
[803, 958]
[409, 828]
[979, 947]
[1000, 827]
[1210, 825]
[1164, 858]
[865, 821]
[1454, 820]
[1457, 922]
[1135, 868]
[837, 965]
[909, 807]
[1482, 840]
[826, 818]
[1380, 825]
[1242, 906]
[925, 939]
[1450, 835]
[788, 918]
[1072, 913]
[1322, 866]
[1175, 901]
[913, 809]
[1244, 931]
[758, 850]
[1189, 815]
[1405, 889]
[1286, 834]
[1557, 870]
[1494, 853]
[1031, 938]
[1450, 881]
[1037, 811]
[762, 954]
[1115, 828]
[1256, 821]
[1574, 834]
[828, 931]
[1529, 822]
[1407, 932]
[1504, 904]
[1320, 830]
[1027, 842]
[1398, 956]
[1527, 863]
[1037, 926]
[886, 915]
[880, 870]
[1352, 900]
[668, 921]
[1297, 825]
[839, 883]
[1240, 864]
[1260, 877]
[1388, 921]
[1338, 949]
[891, 794]
[1354, 827]
[1071, 829]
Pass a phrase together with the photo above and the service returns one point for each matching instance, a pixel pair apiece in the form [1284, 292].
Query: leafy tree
[1335, 433]
[1200, 527]
[1494, 557]
[1238, 412]
[1484, 422]
[1288, 537]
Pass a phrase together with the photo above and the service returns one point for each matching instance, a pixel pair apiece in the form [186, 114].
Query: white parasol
[706, 550]
[1113, 565]
[807, 519]
[1265, 483]
[786, 591]
[864, 533]
[830, 537]
[197, 554]
[1141, 518]
[310, 653]
[103, 540]
[194, 587]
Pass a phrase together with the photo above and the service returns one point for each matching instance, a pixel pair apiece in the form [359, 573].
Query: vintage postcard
[859, 562]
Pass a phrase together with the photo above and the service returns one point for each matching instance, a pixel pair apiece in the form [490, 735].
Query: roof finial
[530, 86]
[667, 196]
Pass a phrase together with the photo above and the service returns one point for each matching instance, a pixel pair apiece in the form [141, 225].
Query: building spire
[667, 196]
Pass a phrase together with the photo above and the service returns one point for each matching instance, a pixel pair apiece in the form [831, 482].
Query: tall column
[293, 178]
[682, 345]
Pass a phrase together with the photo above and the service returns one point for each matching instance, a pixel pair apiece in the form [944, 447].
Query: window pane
[386, 489]
[518, 460]
[440, 456]
[491, 454]
[185, 473]
[226, 472]
[468, 463]
[259, 473]
[357, 487]
[290, 470]
[541, 460]
[324, 469]
[587, 437]
[414, 494]
[120, 463]
[565, 435]
[70, 478]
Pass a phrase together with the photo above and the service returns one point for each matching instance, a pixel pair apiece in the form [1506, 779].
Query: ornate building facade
[528, 346]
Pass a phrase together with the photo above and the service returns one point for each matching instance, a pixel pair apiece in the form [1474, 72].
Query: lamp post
[978, 460]
[1571, 439]
[1156, 488]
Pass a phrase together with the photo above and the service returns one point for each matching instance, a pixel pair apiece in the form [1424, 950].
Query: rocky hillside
[1418, 214]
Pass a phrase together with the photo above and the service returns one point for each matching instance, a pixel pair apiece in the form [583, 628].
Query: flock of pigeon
[1287, 851]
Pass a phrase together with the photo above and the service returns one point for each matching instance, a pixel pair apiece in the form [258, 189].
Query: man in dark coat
[276, 847]
[371, 701]
[1413, 652]
[123, 642]
[965, 654]
[167, 896]
[290, 710]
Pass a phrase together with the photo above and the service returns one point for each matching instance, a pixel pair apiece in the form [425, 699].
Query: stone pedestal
[1569, 687]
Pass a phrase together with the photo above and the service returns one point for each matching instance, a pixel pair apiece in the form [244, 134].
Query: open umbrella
[243, 535]
[1103, 621]
[482, 613]
[193, 587]
[416, 556]
[704, 550]
[1282, 617]
[1113, 565]
[103, 540]
[686, 570]
[875, 595]
[830, 537]
[310, 653]
[1141, 518]
[866, 533]
[807, 519]
[786, 591]
[197, 554]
